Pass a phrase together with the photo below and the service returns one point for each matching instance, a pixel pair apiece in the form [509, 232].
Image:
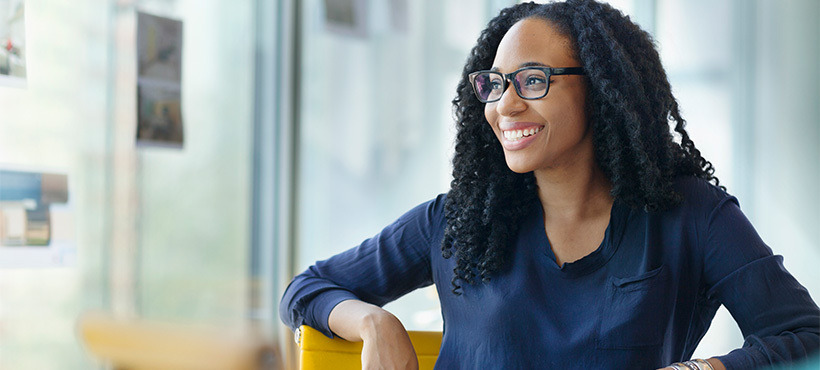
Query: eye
[533, 80]
[496, 84]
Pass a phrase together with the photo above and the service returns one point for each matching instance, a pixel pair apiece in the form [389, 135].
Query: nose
[510, 103]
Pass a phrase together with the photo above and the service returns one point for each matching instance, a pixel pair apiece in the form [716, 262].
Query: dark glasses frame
[511, 77]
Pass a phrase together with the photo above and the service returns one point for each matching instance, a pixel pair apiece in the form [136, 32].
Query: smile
[515, 135]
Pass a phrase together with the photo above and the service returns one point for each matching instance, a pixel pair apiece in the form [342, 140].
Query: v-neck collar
[619, 214]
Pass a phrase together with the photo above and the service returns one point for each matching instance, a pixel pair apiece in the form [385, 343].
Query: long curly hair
[632, 113]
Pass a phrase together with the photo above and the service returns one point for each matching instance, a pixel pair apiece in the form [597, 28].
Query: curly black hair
[630, 108]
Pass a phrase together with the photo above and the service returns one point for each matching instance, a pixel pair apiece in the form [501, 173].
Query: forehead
[533, 40]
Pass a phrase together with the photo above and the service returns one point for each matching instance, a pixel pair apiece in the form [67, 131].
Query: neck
[574, 192]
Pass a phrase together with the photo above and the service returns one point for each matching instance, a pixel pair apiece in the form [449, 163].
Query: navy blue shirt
[642, 300]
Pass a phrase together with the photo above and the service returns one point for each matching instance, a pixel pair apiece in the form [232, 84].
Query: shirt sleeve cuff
[325, 303]
[741, 358]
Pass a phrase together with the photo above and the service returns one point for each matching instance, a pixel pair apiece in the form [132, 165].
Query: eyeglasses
[530, 82]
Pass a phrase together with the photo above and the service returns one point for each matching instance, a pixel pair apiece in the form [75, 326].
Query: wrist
[716, 364]
[376, 322]
[698, 364]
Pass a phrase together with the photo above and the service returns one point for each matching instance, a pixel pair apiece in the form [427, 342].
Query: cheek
[571, 123]
[572, 111]
[579, 114]
[490, 114]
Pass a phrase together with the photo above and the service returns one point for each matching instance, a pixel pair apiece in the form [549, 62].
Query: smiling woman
[561, 115]
[578, 232]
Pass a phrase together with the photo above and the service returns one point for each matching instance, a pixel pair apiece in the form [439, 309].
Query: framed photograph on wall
[13, 43]
[346, 17]
[159, 81]
[36, 219]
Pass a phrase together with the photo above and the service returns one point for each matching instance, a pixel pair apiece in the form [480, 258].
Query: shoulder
[431, 209]
[700, 202]
[700, 195]
[427, 215]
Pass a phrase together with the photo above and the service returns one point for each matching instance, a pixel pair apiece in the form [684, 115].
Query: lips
[518, 135]
[514, 135]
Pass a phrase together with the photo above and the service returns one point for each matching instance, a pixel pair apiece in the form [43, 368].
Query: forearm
[787, 348]
[355, 320]
[778, 318]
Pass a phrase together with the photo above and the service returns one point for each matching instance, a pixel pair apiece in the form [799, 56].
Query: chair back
[320, 352]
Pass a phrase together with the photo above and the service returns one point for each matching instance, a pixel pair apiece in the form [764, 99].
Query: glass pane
[376, 127]
[746, 78]
[57, 124]
[158, 232]
[698, 63]
[194, 204]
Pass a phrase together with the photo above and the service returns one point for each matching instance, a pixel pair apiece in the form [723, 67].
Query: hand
[387, 346]
[386, 343]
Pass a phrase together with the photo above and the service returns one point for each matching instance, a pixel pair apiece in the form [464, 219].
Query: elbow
[288, 312]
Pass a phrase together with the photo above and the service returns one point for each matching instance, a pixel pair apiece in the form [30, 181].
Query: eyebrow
[524, 65]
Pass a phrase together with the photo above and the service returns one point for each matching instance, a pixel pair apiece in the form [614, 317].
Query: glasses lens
[531, 83]
[488, 86]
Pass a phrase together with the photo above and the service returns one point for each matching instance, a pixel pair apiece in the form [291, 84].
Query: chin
[519, 167]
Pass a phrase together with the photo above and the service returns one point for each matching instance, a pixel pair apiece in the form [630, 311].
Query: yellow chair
[134, 344]
[320, 352]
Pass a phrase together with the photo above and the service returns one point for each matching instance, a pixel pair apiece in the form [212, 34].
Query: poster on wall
[346, 17]
[159, 81]
[12, 43]
[36, 220]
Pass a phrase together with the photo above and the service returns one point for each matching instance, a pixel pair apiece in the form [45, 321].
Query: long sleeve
[778, 319]
[381, 269]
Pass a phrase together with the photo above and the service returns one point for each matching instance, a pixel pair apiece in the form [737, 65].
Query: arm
[381, 269]
[776, 315]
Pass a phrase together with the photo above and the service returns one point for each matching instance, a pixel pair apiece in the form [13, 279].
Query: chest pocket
[636, 311]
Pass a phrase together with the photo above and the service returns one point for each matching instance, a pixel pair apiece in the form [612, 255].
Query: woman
[579, 230]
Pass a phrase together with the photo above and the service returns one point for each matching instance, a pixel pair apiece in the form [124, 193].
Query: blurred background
[309, 125]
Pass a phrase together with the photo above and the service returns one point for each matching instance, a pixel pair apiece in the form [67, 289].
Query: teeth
[518, 134]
